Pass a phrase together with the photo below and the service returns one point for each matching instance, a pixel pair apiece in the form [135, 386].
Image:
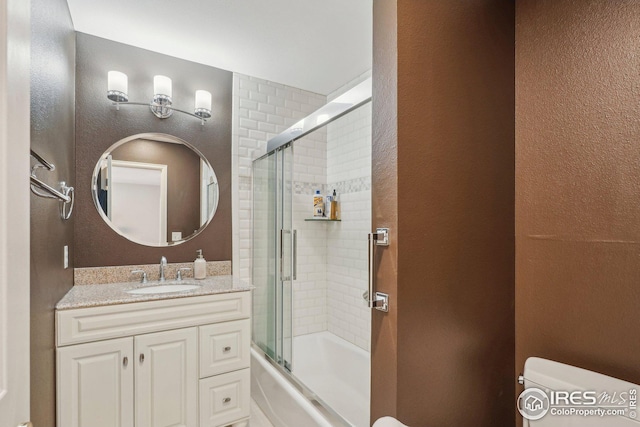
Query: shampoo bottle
[200, 266]
[318, 205]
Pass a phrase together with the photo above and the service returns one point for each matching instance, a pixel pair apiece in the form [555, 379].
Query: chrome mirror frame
[161, 137]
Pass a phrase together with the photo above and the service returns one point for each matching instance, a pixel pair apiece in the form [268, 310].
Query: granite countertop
[82, 296]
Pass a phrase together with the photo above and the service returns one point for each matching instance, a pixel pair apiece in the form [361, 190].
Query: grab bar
[377, 300]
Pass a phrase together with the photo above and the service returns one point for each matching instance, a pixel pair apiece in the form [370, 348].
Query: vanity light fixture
[161, 105]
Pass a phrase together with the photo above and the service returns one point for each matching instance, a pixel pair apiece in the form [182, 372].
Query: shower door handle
[377, 300]
[295, 254]
[284, 276]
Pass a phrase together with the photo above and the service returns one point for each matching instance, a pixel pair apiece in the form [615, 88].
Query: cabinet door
[167, 379]
[95, 384]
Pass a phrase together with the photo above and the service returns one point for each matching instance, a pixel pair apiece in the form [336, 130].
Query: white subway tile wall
[310, 288]
[261, 110]
[349, 172]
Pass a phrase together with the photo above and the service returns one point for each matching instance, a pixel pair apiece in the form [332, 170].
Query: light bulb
[203, 104]
[117, 86]
[162, 86]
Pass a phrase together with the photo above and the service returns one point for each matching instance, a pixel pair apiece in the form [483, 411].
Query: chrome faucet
[163, 264]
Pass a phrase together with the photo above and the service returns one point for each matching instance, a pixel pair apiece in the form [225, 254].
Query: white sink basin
[164, 289]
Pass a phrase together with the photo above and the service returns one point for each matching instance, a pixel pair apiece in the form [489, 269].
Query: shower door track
[342, 105]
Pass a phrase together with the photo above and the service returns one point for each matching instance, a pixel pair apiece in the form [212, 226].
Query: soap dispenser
[333, 210]
[200, 266]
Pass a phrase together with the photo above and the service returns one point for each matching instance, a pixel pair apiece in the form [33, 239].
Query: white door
[14, 211]
[167, 379]
[138, 200]
[95, 384]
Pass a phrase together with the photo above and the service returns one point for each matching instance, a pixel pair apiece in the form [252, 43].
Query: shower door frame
[280, 356]
[351, 100]
[279, 346]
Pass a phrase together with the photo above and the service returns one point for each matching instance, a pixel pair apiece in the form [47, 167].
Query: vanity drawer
[225, 398]
[120, 320]
[224, 347]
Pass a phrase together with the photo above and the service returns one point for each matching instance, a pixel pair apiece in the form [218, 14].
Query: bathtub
[281, 402]
[337, 371]
[330, 369]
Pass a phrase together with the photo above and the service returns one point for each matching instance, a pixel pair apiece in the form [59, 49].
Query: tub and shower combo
[310, 357]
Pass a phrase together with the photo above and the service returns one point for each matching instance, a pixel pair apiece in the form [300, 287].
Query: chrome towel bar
[65, 195]
[53, 193]
[42, 161]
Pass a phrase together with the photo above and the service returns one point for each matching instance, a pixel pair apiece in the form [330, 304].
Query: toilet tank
[572, 393]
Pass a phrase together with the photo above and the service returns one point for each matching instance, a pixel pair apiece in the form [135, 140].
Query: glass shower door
[273, 254]
[264, 254]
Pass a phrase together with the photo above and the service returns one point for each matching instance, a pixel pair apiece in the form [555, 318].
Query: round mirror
[155, 189]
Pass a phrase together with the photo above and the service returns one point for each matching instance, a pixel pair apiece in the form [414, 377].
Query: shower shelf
[322, 219]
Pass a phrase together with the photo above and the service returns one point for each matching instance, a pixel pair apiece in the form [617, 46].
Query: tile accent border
[355, 185]
[122, 273]
[343, 187]
[309, 188]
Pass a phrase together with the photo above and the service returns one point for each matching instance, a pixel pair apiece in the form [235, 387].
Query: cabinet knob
[125, 361]
[226, 400]
[141, 357]
[227, 349]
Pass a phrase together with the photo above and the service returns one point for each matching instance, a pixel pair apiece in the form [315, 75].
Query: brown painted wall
[52, 136]
[183, 179]
[454, 324]
[384, 195]
[99, 125]
[577, 192]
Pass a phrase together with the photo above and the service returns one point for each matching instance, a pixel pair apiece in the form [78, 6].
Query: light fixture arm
[150, 105]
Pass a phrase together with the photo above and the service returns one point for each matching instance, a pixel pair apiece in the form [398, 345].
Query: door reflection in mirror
[137, 202]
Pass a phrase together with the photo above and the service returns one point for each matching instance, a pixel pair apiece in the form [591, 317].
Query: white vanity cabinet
[225, 379]
[95, 384]
[173, 362]
[166, 378]
[102, 383]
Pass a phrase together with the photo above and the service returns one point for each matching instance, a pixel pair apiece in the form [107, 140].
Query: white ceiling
[317, 45]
